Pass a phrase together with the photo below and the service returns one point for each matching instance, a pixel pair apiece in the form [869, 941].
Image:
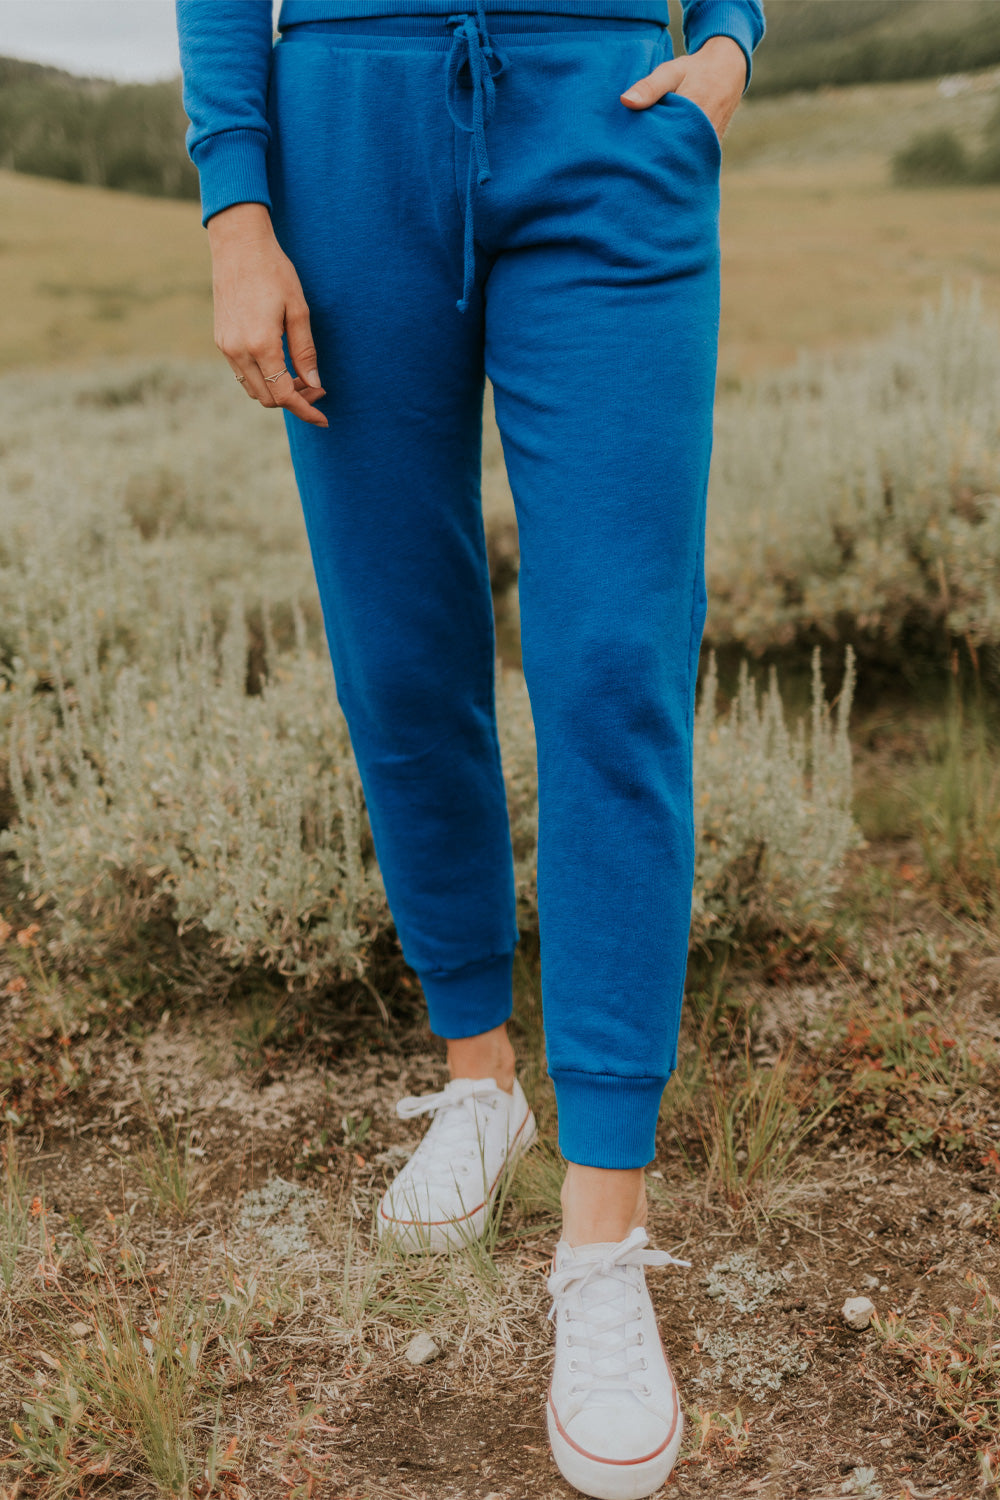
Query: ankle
[602, 1204]
[488, 1055]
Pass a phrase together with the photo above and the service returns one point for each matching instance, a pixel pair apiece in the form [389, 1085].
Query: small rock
[421, 1349]
[871, 1282]
[857, 1312]
[79, 1330]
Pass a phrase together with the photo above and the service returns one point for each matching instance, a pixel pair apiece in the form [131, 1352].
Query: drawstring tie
[470, 35]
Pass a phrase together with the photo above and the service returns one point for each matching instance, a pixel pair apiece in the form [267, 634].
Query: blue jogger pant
[460, 204]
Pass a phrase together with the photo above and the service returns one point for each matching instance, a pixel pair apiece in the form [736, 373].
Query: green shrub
[856, 498]
[985, 167]
[772, 805]
[935, 158]
[938, 157]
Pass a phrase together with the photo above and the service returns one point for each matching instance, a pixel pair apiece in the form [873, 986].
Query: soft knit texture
[225, 48]
[593, 307]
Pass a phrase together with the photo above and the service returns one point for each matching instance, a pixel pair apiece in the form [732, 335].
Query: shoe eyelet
[643, 1364]
[569, 1341]
[573, 1366]
[640, 1339]
[645, 1390]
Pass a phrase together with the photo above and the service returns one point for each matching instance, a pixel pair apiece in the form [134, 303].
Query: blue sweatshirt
[225, 48]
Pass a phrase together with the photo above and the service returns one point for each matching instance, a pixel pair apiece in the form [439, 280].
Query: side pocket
[701, 125]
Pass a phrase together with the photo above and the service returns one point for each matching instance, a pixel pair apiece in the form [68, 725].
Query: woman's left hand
[714, 77]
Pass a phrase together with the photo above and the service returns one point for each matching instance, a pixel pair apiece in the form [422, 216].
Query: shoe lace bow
[450, 1145]
[606, 1281]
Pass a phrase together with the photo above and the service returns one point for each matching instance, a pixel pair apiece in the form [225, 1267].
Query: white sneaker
[614, 1417]
[442, 1197]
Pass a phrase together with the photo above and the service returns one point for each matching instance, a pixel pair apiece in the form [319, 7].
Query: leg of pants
[591, 284]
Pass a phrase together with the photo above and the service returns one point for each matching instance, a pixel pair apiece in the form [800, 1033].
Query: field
[204, 1018]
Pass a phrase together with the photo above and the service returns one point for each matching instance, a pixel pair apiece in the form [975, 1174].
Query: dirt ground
[782, 1399]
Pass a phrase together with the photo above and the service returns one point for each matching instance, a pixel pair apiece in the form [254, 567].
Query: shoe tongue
[597, 1250]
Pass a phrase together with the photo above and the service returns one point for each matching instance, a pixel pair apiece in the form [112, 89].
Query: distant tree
[810, 45]
[126, 136]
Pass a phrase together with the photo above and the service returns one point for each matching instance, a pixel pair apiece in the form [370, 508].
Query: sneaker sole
[418, 1237]
[613, 1479]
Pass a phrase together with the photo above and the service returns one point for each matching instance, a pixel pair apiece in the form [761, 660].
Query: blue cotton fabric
[225, 51]
[593, 307]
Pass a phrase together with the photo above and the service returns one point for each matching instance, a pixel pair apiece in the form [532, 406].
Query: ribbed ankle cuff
[606, 1120]
[470, 1000]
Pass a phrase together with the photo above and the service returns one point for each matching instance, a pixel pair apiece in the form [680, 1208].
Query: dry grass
[131, 1371]
[754, 1125]
[16, 1214]
[173, 1174]
[955, 1356]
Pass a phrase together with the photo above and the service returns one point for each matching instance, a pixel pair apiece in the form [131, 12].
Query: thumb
[300, 343]
[663, 79]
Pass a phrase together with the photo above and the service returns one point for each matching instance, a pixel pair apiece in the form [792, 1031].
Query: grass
[959, 808]
[15, 1213]
[149, 1362]
[131, 1383]
[170, 1165]
[754, 1124]
[131, 1366]
[955, 1357]
[474, 1300]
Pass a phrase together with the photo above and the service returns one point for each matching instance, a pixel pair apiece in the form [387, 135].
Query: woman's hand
[258, 295]
[714, 77]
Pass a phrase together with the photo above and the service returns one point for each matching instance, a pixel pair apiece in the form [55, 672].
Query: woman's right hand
[257, 295]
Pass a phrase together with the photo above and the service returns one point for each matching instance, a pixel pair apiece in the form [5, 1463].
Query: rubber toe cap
[613, 1435]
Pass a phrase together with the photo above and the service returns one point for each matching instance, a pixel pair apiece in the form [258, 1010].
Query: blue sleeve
[743, 20]
[225, 48]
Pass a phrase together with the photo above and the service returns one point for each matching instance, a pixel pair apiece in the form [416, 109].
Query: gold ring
[281, 372]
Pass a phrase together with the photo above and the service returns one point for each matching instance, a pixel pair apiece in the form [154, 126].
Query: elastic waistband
[435, 32]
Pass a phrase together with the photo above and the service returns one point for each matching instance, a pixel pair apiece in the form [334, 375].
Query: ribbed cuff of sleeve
[468, 1001]
[607, 1120]
[232, 168]
[725, 18]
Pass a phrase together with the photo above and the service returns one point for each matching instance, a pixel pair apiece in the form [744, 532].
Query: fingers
[663, 79]
[300, 343]
[264, 357]
[238, 374]
[288, 391]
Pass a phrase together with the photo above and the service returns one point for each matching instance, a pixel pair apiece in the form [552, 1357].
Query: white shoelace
[450, 1148]
[607, 1366]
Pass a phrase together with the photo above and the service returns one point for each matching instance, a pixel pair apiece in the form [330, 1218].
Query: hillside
[92, 130]
[818, 247]
[131, 136]
[812, 43]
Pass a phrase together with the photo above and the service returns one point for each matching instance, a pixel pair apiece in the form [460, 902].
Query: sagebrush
[172, 740]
